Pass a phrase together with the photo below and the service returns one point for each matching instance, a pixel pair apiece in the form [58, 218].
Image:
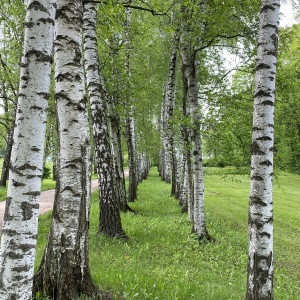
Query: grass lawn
[162, 260]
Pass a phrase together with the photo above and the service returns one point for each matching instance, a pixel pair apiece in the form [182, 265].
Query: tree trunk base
[129, 209]
[203, 236]
[67, 290]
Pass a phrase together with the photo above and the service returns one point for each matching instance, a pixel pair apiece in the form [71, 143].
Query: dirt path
[47, 199]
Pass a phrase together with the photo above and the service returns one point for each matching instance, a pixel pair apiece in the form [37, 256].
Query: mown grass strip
[162, 260]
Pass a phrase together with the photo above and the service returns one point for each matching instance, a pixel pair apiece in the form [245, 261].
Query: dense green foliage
[162, 260]
[228, 134]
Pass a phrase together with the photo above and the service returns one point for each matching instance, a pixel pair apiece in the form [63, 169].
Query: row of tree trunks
[64, 272]
[19, 234]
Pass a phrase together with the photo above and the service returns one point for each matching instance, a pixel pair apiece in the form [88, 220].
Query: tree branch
[128, 5]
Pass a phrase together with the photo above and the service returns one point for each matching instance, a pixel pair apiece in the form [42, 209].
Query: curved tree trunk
[110, 218]
[64, 272]
[260, 263]
[18, 241]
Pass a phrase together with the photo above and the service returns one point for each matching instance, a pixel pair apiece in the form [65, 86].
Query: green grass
[162, 260]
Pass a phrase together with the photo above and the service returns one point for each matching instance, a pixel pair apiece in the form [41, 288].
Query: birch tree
[260, 263]
[129, 119]
[118, 161]
[169, 161]
[18, 241]
[64, 271]
[188, 61]
[110, 218]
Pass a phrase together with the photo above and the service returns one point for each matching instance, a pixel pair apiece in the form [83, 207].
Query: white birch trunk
[184, 186]
[260, 263]
[18, 241]
[170, 163]
[64, 271]
[199, 222]
[162, 170]
[129, 122]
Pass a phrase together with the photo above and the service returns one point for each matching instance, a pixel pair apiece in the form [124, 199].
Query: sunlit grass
[162, 260]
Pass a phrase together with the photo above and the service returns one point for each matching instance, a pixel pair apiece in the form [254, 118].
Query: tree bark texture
[110, 218]
[162, 156]
[19, 234]
[187, 194]
[64, 272]
[170, 163]
[115, 129]
[260, 263]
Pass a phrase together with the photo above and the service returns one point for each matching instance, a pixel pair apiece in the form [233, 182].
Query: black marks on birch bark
[267, 102]
[7, 215]
[17, 183]
[266, 163]
[40, 56]
[9, 232]
[266, 7]
[69, 188]
[36, 5]
[67, 77]
[255, 149]
[27, 167]
[257, 178]
[27, 210]
[255, 200]
[262, 274]
[264, 138]
[262, 66]
[263, 93]
[35, 149]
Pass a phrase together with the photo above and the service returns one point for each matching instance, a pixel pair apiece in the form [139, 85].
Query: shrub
[46, 173]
